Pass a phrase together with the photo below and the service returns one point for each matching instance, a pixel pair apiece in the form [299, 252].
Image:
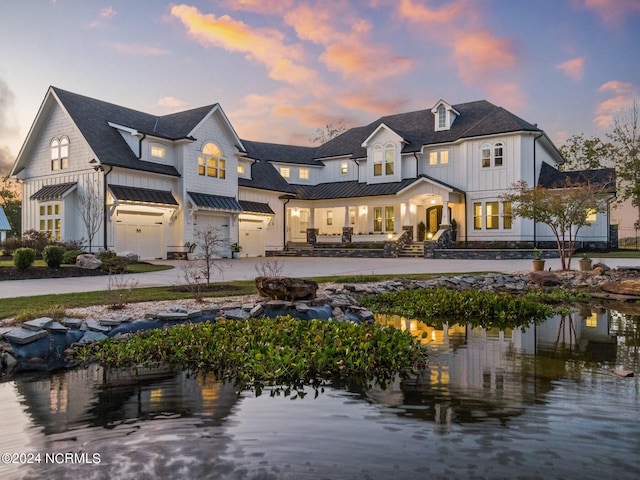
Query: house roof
[52, 192]
[418, 129]
[4, 221]
[553, 178]
[256, 207]
[143, 195]
[215, 202]
[326, 191]
[263, 174]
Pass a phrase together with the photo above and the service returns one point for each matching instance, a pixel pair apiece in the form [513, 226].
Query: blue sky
[281, 69]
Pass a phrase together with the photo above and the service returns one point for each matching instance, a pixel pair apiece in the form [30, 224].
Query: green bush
[70, 256]
[113, 264]
[106, 255]
[24, 257]
[53, 255]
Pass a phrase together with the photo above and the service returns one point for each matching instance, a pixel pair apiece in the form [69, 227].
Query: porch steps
[413, 249]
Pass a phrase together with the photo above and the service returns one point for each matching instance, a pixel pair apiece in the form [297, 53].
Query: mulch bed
[12, 273]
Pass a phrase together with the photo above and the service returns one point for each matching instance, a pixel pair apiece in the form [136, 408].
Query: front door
[434, 217]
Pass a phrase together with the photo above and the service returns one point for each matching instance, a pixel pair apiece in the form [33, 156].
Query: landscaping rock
[545, 279]
[94, 326]
[57, 327]
[91, 337]
[88, 261]
[286, 288]
[37, 323]
[23, 336]
[623, 287]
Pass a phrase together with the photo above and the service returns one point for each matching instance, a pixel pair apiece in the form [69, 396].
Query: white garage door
[141, 234]
[251, 238]
[221, 224]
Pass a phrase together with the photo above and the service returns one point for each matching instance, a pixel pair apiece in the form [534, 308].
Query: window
[157, 152]
[377, 160]
[441, 157]
[493, 215]
[477, 216]
[304, 173]
[329, 217]
[240, 168]
[210, 163]
[59, 153]
[389, 159]
[486, 157]
[507, 215]
[442, 117]
[492, 152]
[344, 168]
[389, 214]
[51, 220]
[591, 215]
[377, 219]
[497, 155]
[285, 172]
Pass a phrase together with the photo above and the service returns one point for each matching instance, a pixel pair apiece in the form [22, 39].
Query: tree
[211, 243]
[582, 153]
[625, 137]
[91, 209]
[328, 132]
[565, 209]
[12, 205]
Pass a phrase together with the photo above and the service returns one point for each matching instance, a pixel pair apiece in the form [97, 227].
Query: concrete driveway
[245, 269]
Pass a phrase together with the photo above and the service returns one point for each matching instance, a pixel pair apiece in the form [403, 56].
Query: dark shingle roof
[215, 202]
[92, 117]
[553, 178]
[142, 195]
[51, 192]
[263, 174]
[325, 191]
[418, 129]
[275, 152]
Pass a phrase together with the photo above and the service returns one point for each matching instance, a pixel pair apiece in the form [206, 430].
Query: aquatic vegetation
[279, 351]
[436, 306]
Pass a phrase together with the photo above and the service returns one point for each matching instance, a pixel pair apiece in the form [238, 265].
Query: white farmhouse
[163, 178]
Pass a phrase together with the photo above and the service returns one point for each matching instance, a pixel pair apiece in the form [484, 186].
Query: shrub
[106, 255]
[113, 264]
[24, 257]
[70, 256]
[53, 255]
[36, 240]
[11, 244]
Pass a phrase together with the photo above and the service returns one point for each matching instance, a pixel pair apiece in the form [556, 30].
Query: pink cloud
[572, 68]
[260, 6]
[481, 56]
[610, 11]
[420, 13]
[170, 103]
[622, 92]
[105, 14]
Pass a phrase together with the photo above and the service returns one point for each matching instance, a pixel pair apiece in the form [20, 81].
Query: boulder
[545, 279]
[286, 288]
[88, 261]
[623, 287]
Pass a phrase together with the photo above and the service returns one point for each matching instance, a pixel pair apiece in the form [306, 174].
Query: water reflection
[539, 402]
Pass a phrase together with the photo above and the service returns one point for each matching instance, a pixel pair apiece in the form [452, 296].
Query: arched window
[377, 160]
[389, 159]
[492, 154]
[211, 163]
[442, 117]
[59, 153]
[497, 154]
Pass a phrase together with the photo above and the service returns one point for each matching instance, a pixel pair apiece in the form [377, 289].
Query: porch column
[406, 217]
[445, 210]
[346, 217]
[312, 217]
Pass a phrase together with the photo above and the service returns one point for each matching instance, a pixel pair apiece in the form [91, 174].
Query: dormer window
[59, 153]
[157, 151]
[386, 155]
[285, 172]
[444, 115]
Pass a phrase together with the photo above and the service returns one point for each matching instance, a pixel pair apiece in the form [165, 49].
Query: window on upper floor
[386, 155]
[157, 151]
[377, 160]
[240, 168]
[59, 153]
[591, 215]
[303, 173]
[439, 157]
[285, 172]
[492, 154]
[211, 163]
[442, 117]
[344, 168]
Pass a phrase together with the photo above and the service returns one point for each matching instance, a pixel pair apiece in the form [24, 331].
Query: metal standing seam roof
[143, 195]
[52, 192]
[256, 207]
[215, 202]
[4, 221]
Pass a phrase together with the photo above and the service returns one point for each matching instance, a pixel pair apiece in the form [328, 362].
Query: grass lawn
[133, 268]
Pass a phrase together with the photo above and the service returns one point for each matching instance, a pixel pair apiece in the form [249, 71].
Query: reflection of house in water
[66, 400]
[499, 371]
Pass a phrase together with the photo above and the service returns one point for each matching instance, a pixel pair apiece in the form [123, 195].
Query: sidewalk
[245, 269]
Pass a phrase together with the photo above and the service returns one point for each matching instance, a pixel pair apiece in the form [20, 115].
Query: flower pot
[191, 256]
[538, 265]
[235, 254]
[585, 264]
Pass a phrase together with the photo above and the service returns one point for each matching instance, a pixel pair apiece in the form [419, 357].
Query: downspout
[417, 163]
[140, 145]
[105, 213]
[535, 224]
[357, 170]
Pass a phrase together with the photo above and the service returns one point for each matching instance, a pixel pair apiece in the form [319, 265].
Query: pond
[536, 404]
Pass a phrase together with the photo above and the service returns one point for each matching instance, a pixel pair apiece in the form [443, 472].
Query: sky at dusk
[283, 68]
